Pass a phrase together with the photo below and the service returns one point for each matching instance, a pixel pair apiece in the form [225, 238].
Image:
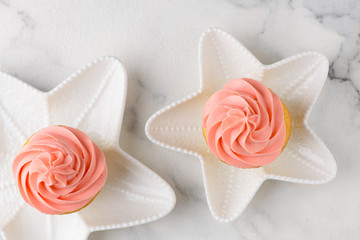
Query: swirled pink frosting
[59, 170]
[244, 123]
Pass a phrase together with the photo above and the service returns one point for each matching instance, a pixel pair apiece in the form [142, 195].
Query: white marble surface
[42, 42]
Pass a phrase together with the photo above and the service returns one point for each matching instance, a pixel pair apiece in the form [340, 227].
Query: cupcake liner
[92, 100]
[297, 80]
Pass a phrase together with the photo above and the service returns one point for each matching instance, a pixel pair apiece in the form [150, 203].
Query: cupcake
[59, 170]
[245, 124]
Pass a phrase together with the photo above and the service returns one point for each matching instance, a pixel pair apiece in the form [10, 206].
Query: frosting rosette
[59, 170]
[244, 124]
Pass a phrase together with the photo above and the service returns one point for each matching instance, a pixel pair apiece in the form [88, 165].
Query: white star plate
[297, 80]
[92, 100]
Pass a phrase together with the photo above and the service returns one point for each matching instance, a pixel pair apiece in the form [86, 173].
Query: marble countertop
[42, 42]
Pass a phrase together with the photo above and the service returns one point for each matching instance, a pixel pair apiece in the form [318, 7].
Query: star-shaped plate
[297, 80]
[92, 100]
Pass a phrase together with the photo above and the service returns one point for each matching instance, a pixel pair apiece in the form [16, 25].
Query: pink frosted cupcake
[245, 124]
[59, 170]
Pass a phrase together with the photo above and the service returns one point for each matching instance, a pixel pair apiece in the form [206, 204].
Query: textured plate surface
[297, 80]
[92, 100]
